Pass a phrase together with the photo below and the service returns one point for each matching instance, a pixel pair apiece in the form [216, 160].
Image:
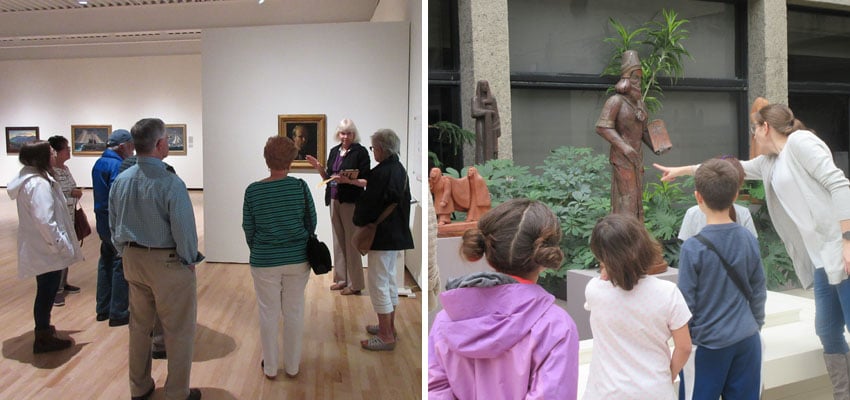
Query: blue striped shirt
[151, 206]
[273, 218]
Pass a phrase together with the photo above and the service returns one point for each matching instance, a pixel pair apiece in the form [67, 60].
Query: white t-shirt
[631, 330]
[694, 221]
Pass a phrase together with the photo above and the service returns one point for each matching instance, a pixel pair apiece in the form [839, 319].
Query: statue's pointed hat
[630, 62]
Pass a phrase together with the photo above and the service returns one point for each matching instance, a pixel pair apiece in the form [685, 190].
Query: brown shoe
[338, 286]
[348, 292]
[47, 341]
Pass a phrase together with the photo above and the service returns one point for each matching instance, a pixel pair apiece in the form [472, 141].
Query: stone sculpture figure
[623, 124]
[468, 194]
[488, 126]
[441, 188]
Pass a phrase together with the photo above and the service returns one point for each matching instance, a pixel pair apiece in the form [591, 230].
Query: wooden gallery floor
[227, 344]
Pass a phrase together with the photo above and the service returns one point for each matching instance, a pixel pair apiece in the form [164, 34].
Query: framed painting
[16, 136]
[176, 134]
[308, 133]
[89, 140]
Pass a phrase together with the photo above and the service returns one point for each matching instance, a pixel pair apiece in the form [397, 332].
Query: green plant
[659, 44]
[665, 204]
[452, 135]
[573, 182]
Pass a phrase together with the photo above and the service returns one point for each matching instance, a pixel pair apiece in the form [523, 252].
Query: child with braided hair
[500, 335]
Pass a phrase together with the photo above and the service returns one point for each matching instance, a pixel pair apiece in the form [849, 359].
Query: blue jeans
[832, 312]
[112, 289]
[733, 372]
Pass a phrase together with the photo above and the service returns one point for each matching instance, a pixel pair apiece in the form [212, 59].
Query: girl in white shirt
[632, 316]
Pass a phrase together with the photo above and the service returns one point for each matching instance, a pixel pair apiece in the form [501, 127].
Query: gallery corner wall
[54, 94]
[252, 75]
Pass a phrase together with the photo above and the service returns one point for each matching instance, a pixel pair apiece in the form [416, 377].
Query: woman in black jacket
[388, 185]
[346, 157]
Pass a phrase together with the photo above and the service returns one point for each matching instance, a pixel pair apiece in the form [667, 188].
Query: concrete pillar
[484, 54]
[768, 50]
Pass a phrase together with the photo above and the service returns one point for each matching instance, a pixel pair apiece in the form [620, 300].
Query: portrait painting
[16, 136]
[308, 133]
[176, 134]
[89, 140]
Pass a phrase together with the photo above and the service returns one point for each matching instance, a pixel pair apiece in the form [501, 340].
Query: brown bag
[81, 224]
[365, 235]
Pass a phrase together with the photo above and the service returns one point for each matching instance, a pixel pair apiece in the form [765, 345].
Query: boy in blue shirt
[727, 315]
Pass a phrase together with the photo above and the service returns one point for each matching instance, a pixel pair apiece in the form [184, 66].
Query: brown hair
[740, 168]
[517, 237]
[36, 154]
[780, 117]
[279, 152]
[623, 244]
[717, 182]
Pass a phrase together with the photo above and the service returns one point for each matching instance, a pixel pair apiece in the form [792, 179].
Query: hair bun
[472, 244]
[547, 255]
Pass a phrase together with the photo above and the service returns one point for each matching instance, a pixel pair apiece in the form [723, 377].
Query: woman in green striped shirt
[275, 216]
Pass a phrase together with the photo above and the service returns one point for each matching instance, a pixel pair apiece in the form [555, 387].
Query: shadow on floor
[19, 348]
[211, 344]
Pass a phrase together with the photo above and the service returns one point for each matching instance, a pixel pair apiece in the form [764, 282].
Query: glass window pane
[818, 47]
[557, 36]
[701, 125]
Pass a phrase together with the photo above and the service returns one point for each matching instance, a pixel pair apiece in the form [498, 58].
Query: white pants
[381, 280]
[281, 290]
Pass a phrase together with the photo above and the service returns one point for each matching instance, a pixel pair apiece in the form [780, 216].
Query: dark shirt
[387, 185]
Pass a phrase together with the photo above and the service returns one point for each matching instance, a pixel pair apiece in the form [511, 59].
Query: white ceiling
[31, 29]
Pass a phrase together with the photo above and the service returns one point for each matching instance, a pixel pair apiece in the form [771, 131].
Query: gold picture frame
[176, 134]
[307, 127]
[89, 140]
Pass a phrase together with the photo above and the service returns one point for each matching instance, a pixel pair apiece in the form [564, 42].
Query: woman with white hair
[340, 195]
[387, 185]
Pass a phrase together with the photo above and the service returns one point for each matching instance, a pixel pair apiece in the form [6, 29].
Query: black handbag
[318, 255]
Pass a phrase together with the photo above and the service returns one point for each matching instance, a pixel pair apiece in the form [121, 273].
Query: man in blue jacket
[112, 291]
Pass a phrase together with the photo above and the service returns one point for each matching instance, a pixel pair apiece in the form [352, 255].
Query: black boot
[46, 341]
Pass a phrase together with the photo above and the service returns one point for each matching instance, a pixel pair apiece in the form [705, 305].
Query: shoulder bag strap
[391, 207]
[308, 224]
[731, 272]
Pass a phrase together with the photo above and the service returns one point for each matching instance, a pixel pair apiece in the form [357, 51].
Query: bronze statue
[468, 194]
[623, 123]
[488, 127]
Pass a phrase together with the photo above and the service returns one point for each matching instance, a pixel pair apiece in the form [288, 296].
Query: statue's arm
[606, 127]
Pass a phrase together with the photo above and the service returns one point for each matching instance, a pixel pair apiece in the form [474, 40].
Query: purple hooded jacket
[509, 341]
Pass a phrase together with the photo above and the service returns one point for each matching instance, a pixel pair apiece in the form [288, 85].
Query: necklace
[639, 109]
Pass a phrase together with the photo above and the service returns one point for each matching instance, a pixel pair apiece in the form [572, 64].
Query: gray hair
[146, 132]
[347, 125]
[387, 140]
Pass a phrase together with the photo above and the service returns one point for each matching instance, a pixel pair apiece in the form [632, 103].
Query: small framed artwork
[176, 134]
[89, 140]
[16, 136]
[308, 133]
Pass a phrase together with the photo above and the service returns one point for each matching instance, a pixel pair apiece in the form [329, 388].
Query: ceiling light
[82, 2]
[261, 1]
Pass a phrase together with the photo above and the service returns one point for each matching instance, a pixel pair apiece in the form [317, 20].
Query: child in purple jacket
[500, 335]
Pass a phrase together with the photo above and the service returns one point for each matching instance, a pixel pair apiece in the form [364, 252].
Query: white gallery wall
[54, 94]
[251, 75]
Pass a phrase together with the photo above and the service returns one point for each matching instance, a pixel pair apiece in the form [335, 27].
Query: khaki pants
[160, 285]
[348, 264]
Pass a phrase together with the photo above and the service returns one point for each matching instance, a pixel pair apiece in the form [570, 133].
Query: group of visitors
[149, 244]
[501, 336]
[278, 216]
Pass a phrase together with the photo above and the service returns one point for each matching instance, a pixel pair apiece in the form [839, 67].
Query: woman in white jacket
[46, 240]
[808, 198]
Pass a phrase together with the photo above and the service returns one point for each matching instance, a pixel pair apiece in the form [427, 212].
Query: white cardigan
[827, 194]
[46, 238]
